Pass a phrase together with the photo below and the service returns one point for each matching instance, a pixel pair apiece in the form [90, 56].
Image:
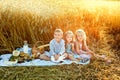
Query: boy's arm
[52, 48]
[62, 49]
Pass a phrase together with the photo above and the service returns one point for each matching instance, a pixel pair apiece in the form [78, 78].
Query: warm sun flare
[34, 22]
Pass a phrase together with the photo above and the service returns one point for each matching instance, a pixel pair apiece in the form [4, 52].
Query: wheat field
[36, 20]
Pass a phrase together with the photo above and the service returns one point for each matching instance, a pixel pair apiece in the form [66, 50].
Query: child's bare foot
[78, 59]
[75, 62]
[109, 61]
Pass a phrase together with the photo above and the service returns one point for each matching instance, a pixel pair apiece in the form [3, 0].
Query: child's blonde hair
[58, 30]
[81, 31]
[70, 33]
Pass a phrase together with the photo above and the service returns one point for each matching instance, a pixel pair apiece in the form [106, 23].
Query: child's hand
[81, 52]
[57, 56]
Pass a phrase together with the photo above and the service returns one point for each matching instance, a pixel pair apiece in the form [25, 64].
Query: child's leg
[104, 58]
[62, 57]
[71, 57]
[65, 55]
[44, 57]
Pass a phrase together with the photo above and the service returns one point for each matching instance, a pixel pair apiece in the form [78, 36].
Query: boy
[57, 48]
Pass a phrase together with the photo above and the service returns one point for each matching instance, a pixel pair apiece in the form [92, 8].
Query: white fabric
[35, 62]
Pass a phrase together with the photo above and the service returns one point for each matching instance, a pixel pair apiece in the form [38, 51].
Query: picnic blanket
[4, 61]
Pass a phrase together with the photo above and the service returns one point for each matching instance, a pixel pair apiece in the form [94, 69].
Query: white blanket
[36, 62]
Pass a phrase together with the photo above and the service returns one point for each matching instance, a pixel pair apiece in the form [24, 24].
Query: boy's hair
[58, 30]
[81, 31]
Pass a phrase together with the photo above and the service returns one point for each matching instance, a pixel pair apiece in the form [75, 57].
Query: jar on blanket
[26, 48]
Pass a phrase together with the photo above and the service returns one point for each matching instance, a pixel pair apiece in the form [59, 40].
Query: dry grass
[36, 20]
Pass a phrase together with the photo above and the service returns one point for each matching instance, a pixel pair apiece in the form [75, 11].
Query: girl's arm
[87, 49]
[73, 48]
[77, 49]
